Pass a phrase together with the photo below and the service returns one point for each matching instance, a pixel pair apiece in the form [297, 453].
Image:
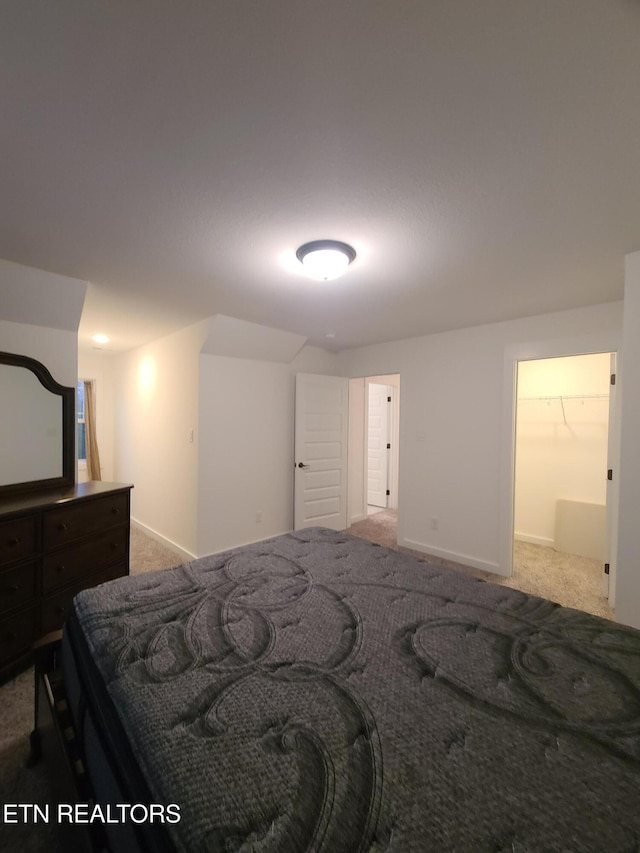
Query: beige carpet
[145, 554]
[571, 581]
[19, 783]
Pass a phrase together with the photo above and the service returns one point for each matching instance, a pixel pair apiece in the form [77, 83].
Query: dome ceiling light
[325, 259]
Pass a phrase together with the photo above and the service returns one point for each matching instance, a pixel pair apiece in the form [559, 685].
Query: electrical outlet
[434, 523]
[259, 516]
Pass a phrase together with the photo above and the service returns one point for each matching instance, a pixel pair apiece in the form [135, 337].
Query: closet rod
[561, 397]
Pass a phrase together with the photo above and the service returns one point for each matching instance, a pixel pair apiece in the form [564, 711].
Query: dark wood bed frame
[54, 740]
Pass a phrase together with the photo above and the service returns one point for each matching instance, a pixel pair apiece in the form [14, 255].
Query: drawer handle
[59, 568]
[63, 526]
[115, 510]
[13, 589]
[114, 546]
[13, 542]
[61, 609]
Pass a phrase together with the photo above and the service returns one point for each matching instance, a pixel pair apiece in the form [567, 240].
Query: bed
[316, 692]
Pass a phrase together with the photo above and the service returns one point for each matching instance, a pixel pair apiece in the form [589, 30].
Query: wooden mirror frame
[68, 433]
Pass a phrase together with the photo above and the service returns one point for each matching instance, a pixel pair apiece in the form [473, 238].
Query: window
[81, 435]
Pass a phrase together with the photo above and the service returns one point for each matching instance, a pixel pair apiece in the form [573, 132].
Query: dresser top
[48, 498]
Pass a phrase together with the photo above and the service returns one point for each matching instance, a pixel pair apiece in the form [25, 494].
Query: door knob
[302, 465]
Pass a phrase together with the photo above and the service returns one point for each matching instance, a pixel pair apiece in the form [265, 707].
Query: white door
[613, 450]
[321, 434]
[378, 437]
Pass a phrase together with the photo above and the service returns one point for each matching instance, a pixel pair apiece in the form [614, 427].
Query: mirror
[37, 427]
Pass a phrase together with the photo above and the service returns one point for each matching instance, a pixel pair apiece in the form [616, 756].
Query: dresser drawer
[56, 607]
[17, 586]
[54, 543]
[18, 538]
[75, 520]
[68, 565]
[16, 635]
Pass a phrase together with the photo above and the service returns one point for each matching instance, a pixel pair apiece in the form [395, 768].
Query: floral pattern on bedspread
[315, 692]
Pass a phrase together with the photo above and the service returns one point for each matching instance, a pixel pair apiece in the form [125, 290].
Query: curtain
[93, 455]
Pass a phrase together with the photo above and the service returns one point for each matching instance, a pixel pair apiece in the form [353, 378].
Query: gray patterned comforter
[315, 692]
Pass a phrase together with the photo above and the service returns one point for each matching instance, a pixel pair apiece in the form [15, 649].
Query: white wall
[156, 408]
[246, 446]
[99, 365]
[39, 317]
[628, 543]
[35, 297]
[202, 496]
[561, 445]
[452, 424]
[57, 349]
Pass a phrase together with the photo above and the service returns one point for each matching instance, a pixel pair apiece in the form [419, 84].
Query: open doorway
[374, 439]
[560, 541]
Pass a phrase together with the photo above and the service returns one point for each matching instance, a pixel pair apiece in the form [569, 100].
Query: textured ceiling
[482, 156]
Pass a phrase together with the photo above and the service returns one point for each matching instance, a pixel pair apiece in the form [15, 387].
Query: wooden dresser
[53, 544]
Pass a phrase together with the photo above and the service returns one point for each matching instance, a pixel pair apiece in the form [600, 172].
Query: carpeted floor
[571, 581]
[18, 783]
[146, 555]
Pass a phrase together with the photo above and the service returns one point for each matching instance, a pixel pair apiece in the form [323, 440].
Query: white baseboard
[534, 540]
[465, 559]
[355, 518]
[153, 534]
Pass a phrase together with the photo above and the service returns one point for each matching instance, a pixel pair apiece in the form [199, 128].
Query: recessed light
[100, 339]
[325, 259]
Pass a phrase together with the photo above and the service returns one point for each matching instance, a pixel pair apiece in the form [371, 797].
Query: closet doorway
[562, 450]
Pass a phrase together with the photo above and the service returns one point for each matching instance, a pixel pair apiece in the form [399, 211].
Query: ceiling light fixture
[100, 339]
[325, 259]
